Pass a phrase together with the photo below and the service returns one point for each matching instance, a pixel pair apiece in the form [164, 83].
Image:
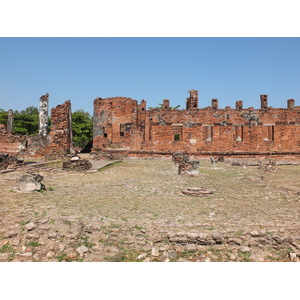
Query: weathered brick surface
[13, 144]
[60, 136]
[122, 124]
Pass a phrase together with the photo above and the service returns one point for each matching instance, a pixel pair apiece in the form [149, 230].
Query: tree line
[26, 122]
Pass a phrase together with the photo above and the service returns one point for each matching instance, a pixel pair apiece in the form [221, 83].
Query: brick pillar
[61, 131]
[192, 101]
[142, 113]
[263, 101]
[10, 121]
[239, 105]
[291, 104]
[43, 127]
[143, 105]
[166, 104]
[214, 103]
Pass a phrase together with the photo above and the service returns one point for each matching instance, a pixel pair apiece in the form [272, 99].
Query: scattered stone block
[245, 249]
[199, 192]
[155, 252]
[30, 226]
[11, 234]
[52, 235]
[82, 249]
[254, 233]
[30, 183]
[218, 238]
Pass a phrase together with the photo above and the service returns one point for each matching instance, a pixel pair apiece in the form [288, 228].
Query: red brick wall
[13, 144]
[60, 136]
[121, 124]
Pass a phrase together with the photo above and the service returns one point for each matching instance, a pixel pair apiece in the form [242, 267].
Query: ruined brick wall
[13, 144]
[117, 123]
[60, 136]
[121, 124]
[57, 143]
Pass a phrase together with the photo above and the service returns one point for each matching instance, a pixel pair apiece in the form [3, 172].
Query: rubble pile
[179, 157]
[9, 161]
[185, 165]
[189, 168]
[77, 164]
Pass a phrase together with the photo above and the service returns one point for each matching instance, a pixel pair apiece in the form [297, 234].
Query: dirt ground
[134, 211]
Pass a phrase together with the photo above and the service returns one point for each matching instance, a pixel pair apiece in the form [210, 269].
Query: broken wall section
[60, 137]
[59, 142]
[14, 144]
[9, 143]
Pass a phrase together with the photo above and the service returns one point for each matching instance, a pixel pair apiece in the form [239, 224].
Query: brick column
[291, 104]
[214, 103]
[166, 104]
[239, 105]
[263, 101]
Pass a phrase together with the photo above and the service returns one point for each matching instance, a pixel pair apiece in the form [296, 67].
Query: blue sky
[81, 69]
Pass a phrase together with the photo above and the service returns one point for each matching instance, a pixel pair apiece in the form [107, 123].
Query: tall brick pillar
[192, 101]
[43, 126]
[10, 121]
[291, 104]
[166, 104]
[61, 131]
[263, 101]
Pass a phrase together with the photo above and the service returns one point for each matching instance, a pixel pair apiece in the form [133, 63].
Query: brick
[121, 124]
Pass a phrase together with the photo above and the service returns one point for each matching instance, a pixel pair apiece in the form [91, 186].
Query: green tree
[82, 127]
[3, 116]
[26, 122]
